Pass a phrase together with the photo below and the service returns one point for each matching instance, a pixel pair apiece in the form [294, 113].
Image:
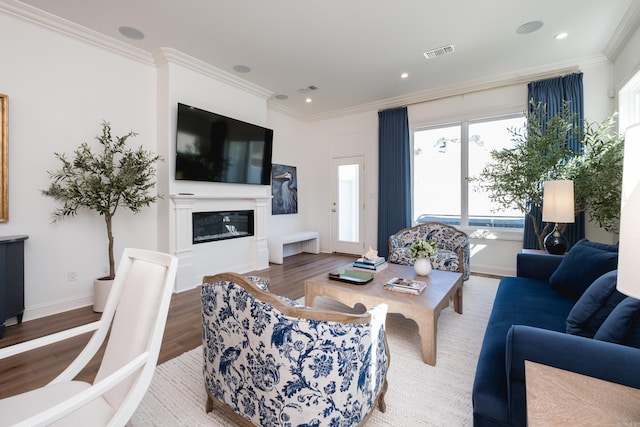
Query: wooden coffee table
[424, 309]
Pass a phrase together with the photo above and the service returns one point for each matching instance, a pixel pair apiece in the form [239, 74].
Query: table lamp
[628, 281]
[557, 207]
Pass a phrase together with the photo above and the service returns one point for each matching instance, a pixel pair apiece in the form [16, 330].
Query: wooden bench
[310, 241]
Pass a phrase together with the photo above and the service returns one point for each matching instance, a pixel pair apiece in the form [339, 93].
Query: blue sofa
[530, 318]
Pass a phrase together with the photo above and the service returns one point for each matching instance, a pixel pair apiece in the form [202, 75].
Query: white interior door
[347, 205]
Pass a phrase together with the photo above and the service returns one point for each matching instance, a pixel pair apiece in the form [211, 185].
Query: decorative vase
[422, 266]
[101, 290]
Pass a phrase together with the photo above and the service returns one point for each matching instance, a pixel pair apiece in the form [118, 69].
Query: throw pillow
[583, 264]
[593, 307]
[598, 245]
[623, 324]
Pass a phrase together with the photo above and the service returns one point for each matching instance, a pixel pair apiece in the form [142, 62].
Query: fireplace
[221, 225]
[231, 254]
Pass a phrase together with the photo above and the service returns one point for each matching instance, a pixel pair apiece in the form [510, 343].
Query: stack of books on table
[407, 286]
[370, 265]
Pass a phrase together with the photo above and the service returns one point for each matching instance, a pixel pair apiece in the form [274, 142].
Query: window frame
[502, 233]
[629, 102]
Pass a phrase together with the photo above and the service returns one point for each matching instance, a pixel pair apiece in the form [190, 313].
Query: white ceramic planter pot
[422, 266]
[101, 290]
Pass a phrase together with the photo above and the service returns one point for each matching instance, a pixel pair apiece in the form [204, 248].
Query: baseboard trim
[492, 270]
[57, 307]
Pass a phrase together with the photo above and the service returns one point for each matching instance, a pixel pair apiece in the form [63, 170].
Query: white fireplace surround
[237, 255]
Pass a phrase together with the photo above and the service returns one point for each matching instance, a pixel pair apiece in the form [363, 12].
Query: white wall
[599, 104]
[310, 147]
[627, 81]
[60, 89]
[290, 147]
[355, 135]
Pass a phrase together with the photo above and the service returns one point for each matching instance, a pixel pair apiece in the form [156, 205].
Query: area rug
[418, 394]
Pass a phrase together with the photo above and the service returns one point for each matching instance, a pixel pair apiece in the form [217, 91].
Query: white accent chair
[136, 313]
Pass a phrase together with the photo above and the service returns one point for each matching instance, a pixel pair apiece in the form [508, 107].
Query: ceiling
[354, 51]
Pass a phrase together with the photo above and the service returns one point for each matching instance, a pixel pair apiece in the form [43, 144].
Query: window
[444, 156]
[629, 103]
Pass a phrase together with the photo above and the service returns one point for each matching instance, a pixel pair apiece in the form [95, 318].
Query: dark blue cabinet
[11, 279]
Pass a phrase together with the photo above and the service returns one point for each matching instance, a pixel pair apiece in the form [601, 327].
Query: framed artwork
[284, 189]
[4, 163]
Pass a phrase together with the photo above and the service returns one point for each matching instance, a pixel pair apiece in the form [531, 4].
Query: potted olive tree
[114, 176]
[514, 177]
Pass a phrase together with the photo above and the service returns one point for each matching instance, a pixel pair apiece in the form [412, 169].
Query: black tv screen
[212, 147]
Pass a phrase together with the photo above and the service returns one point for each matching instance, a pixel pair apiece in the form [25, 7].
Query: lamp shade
[629, 251]
[557, 203]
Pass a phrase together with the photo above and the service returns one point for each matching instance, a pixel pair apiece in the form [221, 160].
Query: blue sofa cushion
[583, 264]
[594, 305]
[623, 324]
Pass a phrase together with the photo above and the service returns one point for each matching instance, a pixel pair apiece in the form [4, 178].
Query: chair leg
[209, 405]
[382, 406]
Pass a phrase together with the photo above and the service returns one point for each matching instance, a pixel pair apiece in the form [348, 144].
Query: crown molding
[624, 31]
[167, 55]
[288, 111]
[68, 28]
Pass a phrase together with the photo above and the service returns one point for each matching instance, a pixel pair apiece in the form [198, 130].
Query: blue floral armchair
[453, 246]
[274, 362]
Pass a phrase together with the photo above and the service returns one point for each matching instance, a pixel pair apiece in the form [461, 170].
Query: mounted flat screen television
[212, 147]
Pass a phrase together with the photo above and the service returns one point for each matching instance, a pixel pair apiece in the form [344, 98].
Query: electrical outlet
[72, 276]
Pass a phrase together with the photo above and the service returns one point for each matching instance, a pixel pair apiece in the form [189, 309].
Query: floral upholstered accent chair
[453, 246]
[271, 363]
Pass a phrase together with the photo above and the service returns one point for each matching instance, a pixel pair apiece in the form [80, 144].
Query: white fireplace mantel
[238, 255]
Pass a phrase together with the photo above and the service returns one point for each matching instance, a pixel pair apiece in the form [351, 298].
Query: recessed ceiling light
[241, 69]
[281, 97]
[308, 100]
[404, 75]
[529, 27]
[561, 36]
[131, 33]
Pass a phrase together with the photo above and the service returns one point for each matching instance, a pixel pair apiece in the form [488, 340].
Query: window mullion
[464, 172]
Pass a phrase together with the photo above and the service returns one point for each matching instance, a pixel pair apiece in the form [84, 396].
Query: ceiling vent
[439, 51]
[307, 89]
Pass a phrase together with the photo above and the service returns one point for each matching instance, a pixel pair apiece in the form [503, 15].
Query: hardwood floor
[183, 331]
